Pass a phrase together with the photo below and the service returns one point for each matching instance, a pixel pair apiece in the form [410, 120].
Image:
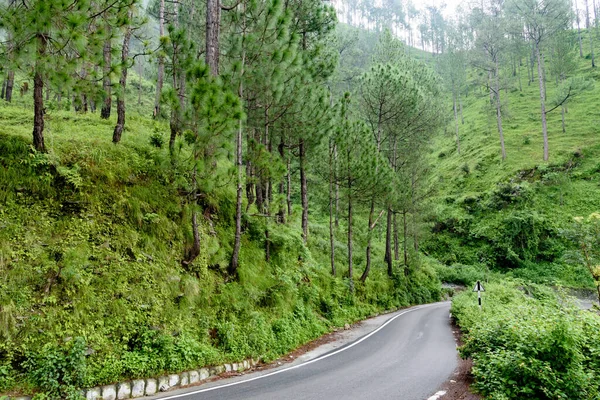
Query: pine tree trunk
[578, 29]
[141, 73]
[587, 15]
[337, 189]
[123, 84]
[250, 170]
[193, 251]
[10, 84]
[176, 109]
[542, 102]
[414, 212]
[456, 123]
[4, 80]
[106, 84]
[38, 96]
[365, 273]
[396, 242]
[562, 114]
[350, 217]
[499, 111]
[590, 33]
[388, 243]
[234, 263]
[239, 161]
[303, 191]
[331, 212]
[213, 27]
[405, 240]
[462, 117]
[161, 63]
[289, 187]
[281, 213]
[268, 193]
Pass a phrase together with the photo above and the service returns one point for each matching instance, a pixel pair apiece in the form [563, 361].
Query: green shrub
[60, 371]
[529, 343]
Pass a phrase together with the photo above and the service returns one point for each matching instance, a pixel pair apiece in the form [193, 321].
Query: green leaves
[529, 343]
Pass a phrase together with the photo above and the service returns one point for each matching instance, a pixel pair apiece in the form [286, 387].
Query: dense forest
[186, 183]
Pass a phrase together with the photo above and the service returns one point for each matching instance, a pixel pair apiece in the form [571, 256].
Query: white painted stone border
[149, 387]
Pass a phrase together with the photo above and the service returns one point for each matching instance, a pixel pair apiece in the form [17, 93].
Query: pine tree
[52, 41]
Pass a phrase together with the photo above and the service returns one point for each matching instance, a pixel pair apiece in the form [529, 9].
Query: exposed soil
[458, 386]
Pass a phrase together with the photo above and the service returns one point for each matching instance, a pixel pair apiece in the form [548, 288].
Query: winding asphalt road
[406, 358]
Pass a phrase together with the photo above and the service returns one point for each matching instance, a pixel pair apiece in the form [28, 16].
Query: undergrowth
[92, 290]
[529, 342]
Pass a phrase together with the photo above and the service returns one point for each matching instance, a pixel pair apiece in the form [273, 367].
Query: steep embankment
[513, 215]
[92, 289]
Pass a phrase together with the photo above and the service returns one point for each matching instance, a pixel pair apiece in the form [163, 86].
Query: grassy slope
[468, 184]
[91, 287]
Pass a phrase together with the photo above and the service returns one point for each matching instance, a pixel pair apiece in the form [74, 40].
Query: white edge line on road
[437, 395]
[299, 365]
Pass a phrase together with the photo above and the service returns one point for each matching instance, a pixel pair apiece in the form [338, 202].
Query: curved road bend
[408, 358]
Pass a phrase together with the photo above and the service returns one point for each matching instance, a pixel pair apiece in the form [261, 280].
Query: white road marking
[437, 395]
[299, 365]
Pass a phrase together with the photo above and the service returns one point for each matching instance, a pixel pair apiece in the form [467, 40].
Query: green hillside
[511, 215]
[91, 283]
[279, 175]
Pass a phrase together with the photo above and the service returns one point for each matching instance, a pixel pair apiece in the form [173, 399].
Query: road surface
[406, 358]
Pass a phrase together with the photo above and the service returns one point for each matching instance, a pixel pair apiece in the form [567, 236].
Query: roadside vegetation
[529, 341]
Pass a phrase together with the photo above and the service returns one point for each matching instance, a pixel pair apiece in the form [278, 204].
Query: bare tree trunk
[234, 263]
[250, 169]
[365, 273]
[177, 74]
[331, 212]
[161, 60]
[141, 73]
[462, 117]
[542, 102]
[106, 83]
[337, 188]
[388, 243]
[10, 83]
[456, 123]
[289, 187]
[192, 252]
[123, 84]
[303, 191]
[587, 15]
[396, 242]
[4, 80]
[532, 64]
[213, 27]
[350, 210]
[578, 29]
[414, 211]
[281, 214]
[405, 238]
[499, 111]
[268, 194]
[38, 96]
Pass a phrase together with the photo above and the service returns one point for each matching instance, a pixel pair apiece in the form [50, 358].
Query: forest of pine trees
[263, 161]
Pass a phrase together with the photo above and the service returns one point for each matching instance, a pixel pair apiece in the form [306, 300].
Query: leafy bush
[59, 371]
[461, 274]
[529, 343]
